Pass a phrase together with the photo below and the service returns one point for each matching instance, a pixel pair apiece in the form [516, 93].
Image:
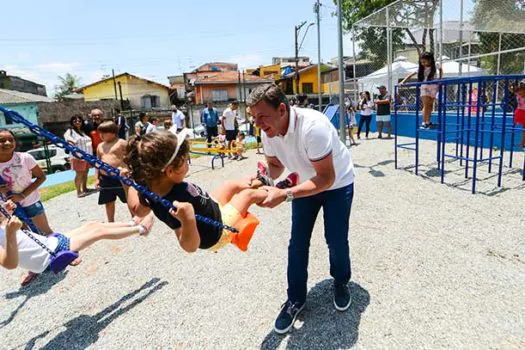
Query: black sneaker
[287, 316]
[342, 298]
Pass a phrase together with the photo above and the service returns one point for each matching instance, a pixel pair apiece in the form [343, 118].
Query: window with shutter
[219, 95]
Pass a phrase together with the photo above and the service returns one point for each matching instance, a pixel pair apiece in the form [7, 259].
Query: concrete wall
[204, 93]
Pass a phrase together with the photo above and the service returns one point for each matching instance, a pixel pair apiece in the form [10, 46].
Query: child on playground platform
[112, 151]
[18, 250]
[519, 112]
[239, 145]
[159, 161]
[427, 72]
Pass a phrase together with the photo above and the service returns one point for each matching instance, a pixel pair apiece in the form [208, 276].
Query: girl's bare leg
[84, 181]
[228, 189]
[428, 104]
[109, 231]
[245, 199]
[91, 226]
[78, 182]
[41, 222]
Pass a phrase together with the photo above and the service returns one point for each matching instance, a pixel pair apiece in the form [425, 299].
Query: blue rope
[97, 163]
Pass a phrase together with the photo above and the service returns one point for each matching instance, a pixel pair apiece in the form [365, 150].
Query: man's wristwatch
[289, 195]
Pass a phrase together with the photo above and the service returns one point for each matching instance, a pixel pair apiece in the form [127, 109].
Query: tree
[68, 84]
[491, 17]
[403, 19]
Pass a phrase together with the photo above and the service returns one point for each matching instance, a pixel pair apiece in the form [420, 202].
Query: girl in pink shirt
[17, 170]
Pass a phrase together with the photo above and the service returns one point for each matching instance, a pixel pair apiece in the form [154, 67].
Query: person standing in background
[210, 120]
[122, 125]
[178, 118]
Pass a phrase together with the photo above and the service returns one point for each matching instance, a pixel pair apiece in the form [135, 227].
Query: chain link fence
[469, 38]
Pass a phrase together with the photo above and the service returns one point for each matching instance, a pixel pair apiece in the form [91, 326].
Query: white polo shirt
[310, 137]
[229, 116]
[177, 119]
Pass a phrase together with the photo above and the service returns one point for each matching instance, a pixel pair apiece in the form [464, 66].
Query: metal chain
[100, 165]
[28, 233]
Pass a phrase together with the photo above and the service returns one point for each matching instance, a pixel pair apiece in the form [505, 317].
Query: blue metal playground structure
[479, 128]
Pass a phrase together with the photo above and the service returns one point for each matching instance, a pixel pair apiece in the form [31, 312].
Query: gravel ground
[433, 267]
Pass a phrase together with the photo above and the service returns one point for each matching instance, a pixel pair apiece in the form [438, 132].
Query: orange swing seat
[246, 227]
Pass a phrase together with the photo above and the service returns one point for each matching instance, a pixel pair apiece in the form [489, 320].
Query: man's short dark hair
[270, 93]
[235, 102]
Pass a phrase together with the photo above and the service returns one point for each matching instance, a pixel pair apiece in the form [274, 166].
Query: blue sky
[40, 40]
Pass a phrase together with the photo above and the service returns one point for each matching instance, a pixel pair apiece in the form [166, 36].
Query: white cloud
[47, 73]
[247, 60]
[57, 67]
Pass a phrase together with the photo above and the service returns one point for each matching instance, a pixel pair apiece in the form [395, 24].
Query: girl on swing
[160, 162]
[18, 250]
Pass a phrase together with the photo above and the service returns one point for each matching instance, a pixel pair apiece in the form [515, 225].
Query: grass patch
[50, 192]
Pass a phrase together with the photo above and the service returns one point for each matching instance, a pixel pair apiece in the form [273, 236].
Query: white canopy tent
[401, 67]
[451, 69]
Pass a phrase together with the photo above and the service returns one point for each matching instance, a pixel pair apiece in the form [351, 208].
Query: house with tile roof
[222, 86]
[142, 94]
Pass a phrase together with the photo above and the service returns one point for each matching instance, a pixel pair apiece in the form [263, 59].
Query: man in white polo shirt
[228, 123]
[304, 141]
[177, 118]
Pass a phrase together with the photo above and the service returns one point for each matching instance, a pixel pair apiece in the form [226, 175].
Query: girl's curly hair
[148, 154]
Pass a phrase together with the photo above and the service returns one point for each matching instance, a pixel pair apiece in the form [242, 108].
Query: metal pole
[121, 99]
[499, 54]
[499, 62]
[461, 38]
[114, 83]
[342, 129]
[296, 62]
[319, 86]
[356, 88]
[389, 49]
[441, 33]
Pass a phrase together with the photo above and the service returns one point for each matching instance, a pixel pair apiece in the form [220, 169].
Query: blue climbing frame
[469, 120]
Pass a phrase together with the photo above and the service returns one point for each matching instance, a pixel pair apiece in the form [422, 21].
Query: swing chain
[100, 165]
[28, 233]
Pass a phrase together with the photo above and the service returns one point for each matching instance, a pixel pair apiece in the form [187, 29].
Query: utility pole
[114, 83]
[297, 28]
[319, 85]
[342, 112]
[121, 99]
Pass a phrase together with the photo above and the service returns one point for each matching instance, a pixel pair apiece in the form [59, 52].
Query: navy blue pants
[336, 206]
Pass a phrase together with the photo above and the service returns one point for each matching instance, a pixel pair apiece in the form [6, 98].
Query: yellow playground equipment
[211, 149]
